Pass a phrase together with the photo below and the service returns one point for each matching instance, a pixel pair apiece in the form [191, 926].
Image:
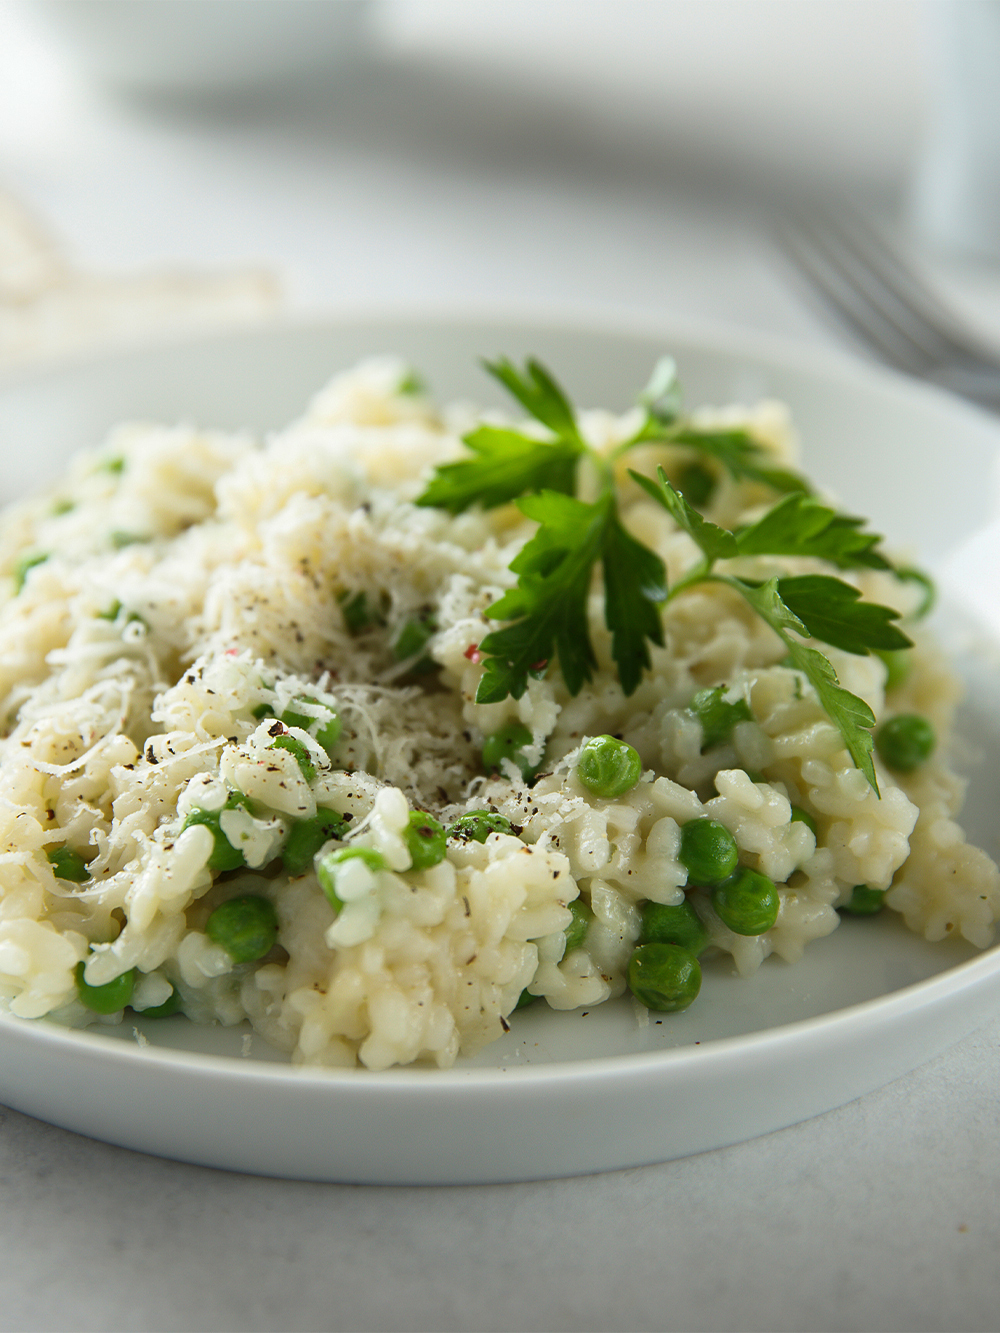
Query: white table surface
[431, 179]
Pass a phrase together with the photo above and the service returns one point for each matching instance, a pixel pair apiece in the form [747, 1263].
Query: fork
[888, 307]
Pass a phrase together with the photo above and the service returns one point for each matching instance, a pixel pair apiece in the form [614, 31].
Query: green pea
[425, 838]
[926, 584]
[477, 826]
[800, 816]
[115, 610]
[373, 859]
[302, 756]
[120, 539]
[747, 902]
[292, 717]
[326, 869]
[898, 665]
[664, 977]
[27, 562]
[171, 1005]
[328, 730]
[413, 639]
[307, 836]
[510, 743]
[245, 927]
[708, 850]
[676, 924]
[576, 931]
[864, 901]
[697, 484]
[68, 864]
[358, 613]
[355, 611]
[905, 741]
[224, 855]
[412, 385]
[329, 733]
[608, 767]
[717, 716]
[110, 997]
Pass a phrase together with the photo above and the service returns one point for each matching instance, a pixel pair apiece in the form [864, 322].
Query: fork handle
[979, 386]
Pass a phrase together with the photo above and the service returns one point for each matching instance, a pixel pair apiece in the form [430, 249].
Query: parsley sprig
[508, 463]
[547, 610]
[736, 451]
[808, 606]
[545, 614]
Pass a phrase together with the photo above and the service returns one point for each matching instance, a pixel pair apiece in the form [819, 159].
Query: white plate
[563, 1093]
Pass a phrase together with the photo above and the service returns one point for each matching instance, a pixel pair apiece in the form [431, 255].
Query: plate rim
[710, 337]
[968, 976]
[596, 320]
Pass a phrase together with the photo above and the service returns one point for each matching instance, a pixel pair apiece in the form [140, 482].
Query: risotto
[268, 754]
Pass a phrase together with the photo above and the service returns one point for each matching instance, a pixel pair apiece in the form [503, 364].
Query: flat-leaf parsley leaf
[548, 608]
[546, 612]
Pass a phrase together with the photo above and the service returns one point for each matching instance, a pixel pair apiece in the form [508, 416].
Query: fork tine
[841, 294]
[872, 293]
[899, 291]
[886, 306]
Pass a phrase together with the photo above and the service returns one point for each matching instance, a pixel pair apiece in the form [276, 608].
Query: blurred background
[167, 164]
[171, 166]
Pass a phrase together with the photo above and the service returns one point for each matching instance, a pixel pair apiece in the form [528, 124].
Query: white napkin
[49, 309]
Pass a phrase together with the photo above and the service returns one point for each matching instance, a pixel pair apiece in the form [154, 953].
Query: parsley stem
[907, 574]
[620, 450]
[702, 573]
[546, 613]
[603, 466]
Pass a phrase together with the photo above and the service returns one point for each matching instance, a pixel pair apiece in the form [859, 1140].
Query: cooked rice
[199, 575]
